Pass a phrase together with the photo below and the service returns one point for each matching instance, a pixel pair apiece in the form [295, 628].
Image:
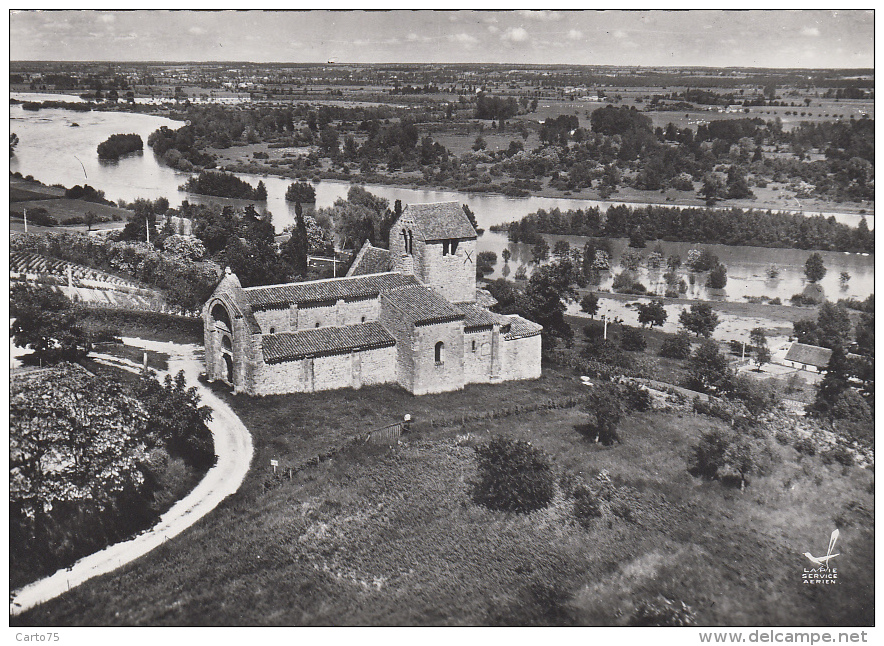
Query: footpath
[233, 447]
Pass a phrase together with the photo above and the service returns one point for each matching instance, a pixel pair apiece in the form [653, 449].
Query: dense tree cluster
[92, 458]
[711, 226]
[118, 145]
[224, 185]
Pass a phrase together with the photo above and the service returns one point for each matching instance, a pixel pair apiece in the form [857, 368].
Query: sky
[798, 38]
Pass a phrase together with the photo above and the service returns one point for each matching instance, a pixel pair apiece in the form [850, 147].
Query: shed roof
[291, 346]
[371, 260]
[811, 355]
[420, 305]
[328, 290]
[440, 220]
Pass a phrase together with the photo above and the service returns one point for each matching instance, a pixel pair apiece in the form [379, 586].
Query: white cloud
[619, 34]
[543, 16]
[107, 18]
[463, 38]
[515, 35]
[412, 37]
[197, 31]
[575, 34]
[492, 29]
[810, 31]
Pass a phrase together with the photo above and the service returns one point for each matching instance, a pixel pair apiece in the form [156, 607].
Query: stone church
[410, 315]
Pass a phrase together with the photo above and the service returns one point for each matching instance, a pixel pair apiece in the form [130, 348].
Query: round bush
[513, 476]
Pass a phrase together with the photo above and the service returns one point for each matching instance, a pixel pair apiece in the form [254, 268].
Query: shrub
[636, 398]
[713, 409]
[676, 347]
[805, 446]
[605, 408]
[838, 454]
[663, 613]
[758, 396]
[513, 476]
[632, 339]
[586, 506]
[708, 455]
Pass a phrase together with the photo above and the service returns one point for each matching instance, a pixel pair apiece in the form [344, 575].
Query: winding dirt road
[233, 446]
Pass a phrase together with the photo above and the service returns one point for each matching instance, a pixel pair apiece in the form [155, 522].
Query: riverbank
[241, 159]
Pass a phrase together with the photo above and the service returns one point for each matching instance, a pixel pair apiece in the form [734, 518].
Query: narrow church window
[454, 246]
[363, 319]
[474, 345]
[273, 330]
[440, 347]
[445, 247]
[410, 243]
[405, 240]
[317, 324]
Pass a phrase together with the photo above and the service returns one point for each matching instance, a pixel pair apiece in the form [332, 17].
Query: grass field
[63, 209]
[391, 536]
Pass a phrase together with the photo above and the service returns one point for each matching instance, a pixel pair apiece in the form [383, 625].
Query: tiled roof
[476, 316]
[484, 298]
[371, 260]
[521, 328]
[811, 355]
[421, 306]
[440, 220]
[290, 346]
[329, 290]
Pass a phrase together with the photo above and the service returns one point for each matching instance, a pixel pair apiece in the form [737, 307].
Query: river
[54, 151]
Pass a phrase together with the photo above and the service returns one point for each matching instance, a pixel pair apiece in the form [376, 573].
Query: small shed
[808, 357]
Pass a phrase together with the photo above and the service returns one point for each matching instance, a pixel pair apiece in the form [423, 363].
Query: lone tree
[513, 476]
[590, 304]
[814, 269]
[759, 345]
[700, 319]
[652, 313]
[506, 254]
[717, 278]
[709, 369]
[605, 409]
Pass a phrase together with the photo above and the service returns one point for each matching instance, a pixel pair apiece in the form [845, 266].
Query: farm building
[409, 315]
[808, 357]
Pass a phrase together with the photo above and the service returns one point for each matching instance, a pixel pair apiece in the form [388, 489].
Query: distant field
[63, 209]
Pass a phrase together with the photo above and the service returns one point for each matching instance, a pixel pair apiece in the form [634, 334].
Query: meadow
[391, 536]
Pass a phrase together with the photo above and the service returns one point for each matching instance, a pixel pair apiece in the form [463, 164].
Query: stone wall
[403, 332]
[279, 320]
[520, 358]
[326, 373]
[452, 275]
[477, 357]
[432, 377]
[338, 314]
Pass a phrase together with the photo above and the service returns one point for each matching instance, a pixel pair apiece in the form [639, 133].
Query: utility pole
[147, 228]
[25, 212]
[605, 319]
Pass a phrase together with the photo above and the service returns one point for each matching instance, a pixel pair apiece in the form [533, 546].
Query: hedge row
[500, 413]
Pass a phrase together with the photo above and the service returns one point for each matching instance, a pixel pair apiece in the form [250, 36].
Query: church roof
[477, 317]
[422, 306]
[371, 260]
[521, 328]
[291, 346]
[440, 220]
[328, 290]
[811, 355]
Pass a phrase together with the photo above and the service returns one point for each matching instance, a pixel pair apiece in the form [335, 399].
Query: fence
[387, 435]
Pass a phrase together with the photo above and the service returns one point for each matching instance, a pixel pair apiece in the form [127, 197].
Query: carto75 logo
[824, 560]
